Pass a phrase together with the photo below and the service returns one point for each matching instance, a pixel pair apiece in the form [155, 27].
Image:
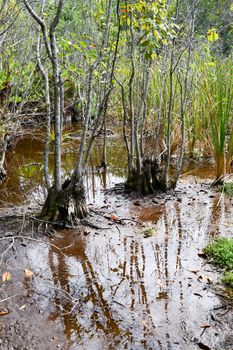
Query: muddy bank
[117, 287]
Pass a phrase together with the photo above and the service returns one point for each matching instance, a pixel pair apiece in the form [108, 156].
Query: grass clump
[228, 279]
[221, 252]
[228, 188]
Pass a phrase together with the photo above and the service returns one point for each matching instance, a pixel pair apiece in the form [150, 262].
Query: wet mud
[113, 286]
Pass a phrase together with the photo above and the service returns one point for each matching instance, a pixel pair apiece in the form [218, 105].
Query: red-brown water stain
[149, 214]
[100, 317]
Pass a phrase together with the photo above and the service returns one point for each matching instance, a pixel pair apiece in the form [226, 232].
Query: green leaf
[212, 35]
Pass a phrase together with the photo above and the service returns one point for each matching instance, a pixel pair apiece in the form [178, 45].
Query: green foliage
[221, 252]
[66, 138]
[228, 279]
[80, 33]
[228, 188]
[217, 15]
[217, 85]
[150, 21]
[218, 88]
[29, 171]
[212, 35]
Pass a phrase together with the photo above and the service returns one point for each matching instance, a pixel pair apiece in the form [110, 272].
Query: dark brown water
[24, 165]
[114, 288]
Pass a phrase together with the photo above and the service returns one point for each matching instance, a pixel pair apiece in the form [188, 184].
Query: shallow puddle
[116, 288]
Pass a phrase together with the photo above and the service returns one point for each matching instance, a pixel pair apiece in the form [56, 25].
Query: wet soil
[133, 278]
[113, 286]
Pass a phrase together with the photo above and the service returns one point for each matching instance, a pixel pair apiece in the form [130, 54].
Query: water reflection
[115, 289]
[130, 292]
[25, 170]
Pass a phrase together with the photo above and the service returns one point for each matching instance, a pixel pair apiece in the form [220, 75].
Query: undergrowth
[228, 279]
[228, 188]
[221, 254]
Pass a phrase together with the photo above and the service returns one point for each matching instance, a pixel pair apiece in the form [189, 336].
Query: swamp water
[117, 288]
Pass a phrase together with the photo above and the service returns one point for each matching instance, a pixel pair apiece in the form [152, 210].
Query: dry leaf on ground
[28, 273]
[6, 277]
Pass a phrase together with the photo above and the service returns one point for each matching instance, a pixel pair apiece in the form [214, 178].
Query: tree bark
[68, 205]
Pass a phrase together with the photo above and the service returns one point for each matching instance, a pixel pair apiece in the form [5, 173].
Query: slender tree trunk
[48, 115]
[169, 122]
[131, 97]
[62, 98]
[184, 95]
[57, 113]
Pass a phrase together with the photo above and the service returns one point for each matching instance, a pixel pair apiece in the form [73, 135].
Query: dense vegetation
[162, 70]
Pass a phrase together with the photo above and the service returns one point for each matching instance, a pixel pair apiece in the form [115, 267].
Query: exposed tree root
[67, 206]
[149, 180]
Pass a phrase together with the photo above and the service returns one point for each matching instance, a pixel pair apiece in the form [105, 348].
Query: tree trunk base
[149, 181]
[67, 206]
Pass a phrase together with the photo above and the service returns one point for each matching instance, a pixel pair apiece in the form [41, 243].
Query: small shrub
[221, 252]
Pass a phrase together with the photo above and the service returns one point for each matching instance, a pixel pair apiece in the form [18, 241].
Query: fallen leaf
[4, 312]
[114, 217]
[6, 277]
[28, 273]
[205, 325]
[114, 269]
